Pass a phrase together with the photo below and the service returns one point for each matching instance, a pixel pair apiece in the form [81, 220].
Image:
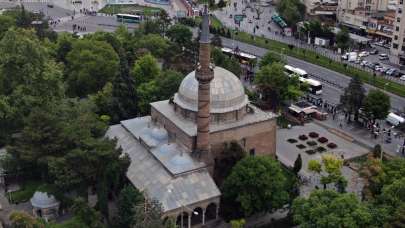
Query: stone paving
[288, 152]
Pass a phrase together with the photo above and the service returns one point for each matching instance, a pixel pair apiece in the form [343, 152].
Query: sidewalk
[361, 135]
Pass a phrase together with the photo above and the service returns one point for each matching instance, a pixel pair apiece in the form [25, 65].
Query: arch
[196, 216]
[211, 212]
[185, 220]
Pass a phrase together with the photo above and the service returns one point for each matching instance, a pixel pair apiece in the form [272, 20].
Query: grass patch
[215, 22]
[312, 57]
[28, 189]
[130, 9]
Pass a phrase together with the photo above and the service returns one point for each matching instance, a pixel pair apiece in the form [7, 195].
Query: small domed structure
[227, 96]
[44, 205]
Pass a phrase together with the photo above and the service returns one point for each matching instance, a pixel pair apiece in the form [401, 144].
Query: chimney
[204, 75]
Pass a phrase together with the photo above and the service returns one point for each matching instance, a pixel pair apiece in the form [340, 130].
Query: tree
[145, 70]
[377, 105]
[343, 39]
[149, 214]
[6, 22]
[147, 93]
[128, 198]
[256, 184]
[327, 208]
[86, 214]
[165, 20]
[230, 155]
[259, 11]
[180, 34]
[353, 97]
[23, 220]
[297, 164]
[229, 63]
[216, 40]
[64, 45]
[292, 11]
[90, 65]
[240, 223]
[154, 43]
[331, 166]
[275, 87]
[151, 27]
[271, 57]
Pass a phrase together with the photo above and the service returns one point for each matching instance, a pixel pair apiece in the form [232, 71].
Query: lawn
[27, 191]
[130, 9]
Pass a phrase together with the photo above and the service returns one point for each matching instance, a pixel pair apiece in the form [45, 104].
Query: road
[330, 93]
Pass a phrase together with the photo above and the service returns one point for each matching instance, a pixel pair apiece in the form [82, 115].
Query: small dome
[167, 148]
[43, 200]
[227, 92]
[180, 160]
[159, 134]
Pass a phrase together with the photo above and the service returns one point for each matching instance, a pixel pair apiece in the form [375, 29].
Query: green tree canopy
[292, 11]
[256, 184]
[6, 22]
[327, 208]
[90, 65]
[229, 63]
[276, 87]
[343, 39]
[145, 70]
[353, 97]
[154, 43]
[128, 198]
[377, 105]
[271, 57]
[180, 34]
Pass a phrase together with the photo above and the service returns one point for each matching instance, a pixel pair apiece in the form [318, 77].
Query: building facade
[398, 39]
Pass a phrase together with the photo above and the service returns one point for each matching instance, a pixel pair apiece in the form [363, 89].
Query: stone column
[203, 216]
[217, 211]
[189, 220]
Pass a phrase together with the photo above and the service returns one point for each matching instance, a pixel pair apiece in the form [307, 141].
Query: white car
[364, 54]
[402, 78]
[363, 63]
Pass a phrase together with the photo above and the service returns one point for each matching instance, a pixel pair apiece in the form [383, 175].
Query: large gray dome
[227, 92]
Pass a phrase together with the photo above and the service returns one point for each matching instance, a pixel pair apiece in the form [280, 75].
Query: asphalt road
[330, 93]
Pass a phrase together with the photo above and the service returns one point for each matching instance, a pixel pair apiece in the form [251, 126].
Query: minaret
[204, 75]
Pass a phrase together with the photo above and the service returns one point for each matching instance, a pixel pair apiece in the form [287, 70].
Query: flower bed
[312, 143]
[310, 152]
[303, 137]
[300, 146]
[320, 149]
[292, 140]
[332, 145]
[323, 140]
[313, 134]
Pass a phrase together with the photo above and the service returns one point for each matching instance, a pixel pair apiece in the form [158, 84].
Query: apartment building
[398, 40]
[355, 14]
[323, 10]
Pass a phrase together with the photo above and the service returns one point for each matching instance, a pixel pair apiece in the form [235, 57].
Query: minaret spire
[204, 75]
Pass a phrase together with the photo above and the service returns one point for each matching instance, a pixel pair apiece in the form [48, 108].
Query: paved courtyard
[287, 153]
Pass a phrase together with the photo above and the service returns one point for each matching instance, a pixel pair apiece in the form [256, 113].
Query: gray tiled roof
[149, 174]
[227, 92]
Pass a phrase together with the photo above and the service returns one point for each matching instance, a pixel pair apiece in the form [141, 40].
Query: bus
[244, 58]
[315, 87]
[128, 18]
[279, 21]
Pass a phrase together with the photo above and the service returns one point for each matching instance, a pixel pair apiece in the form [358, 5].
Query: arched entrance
[196, 216]
[211, 212]
[184, 221]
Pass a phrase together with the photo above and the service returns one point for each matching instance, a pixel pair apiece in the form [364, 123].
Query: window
[395, 37]
[403, 48]
[398, 19]
[401, 2]
[252, 152]
[397, 28]
[395, 46]
[399, 10]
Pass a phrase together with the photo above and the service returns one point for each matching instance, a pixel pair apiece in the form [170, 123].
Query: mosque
[174, 150]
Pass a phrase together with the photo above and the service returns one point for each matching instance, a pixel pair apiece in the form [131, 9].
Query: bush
[312, 143]
[332, 145]
[310, 152]
[323, 140]
[300, 146]
[303, 137]
[292, 140]
[320, 149]
[313, 135]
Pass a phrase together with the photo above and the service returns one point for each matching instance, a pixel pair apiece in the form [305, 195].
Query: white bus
[129, 18]
[315, 87]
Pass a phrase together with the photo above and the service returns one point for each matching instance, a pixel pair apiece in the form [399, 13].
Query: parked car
[364, 54]
[402, 78]
[345, 56]
[391, 71]
[364, 63]
[373, 52]
[352, 57]
[383, 56]
[383, 69]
